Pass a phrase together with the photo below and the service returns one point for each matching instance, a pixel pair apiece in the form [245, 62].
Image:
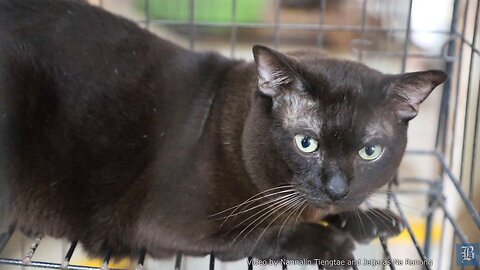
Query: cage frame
[453, 55]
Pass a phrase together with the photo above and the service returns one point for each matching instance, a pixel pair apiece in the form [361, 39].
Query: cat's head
[334, 129]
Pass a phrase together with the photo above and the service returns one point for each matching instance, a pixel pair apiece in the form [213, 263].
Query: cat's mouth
[322, 205]
[315, 214]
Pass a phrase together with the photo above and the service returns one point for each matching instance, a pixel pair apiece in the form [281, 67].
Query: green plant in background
[205, 10]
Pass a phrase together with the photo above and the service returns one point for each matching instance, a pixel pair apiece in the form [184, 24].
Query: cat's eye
[370, 152]
[305, 143]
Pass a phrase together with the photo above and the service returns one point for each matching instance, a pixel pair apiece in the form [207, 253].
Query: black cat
[114, 137]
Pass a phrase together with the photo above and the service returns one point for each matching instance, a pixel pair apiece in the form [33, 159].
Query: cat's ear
[407, 91]
[275, 71]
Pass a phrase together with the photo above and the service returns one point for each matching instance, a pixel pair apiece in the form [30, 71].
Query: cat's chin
[315, 213]
[318, 210]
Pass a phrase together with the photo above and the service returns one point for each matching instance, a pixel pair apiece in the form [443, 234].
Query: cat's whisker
[262, 193]
[300, 212]
[383, 214]
[253, 197]
[382, 200]
[260, 205]
[365, 214]
[292, 206]
[266, 210]
[295, 209]
[360, 222]
[234, 213]
[264, 216]
[382, 217]
[262, 211]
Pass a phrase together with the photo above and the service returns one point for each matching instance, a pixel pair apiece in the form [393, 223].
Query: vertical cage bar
[212, 262]
[323, 6]
[276, 34]
[442, 240]
[233, 34]
[106, 259]
[474, 146]
[466, 123]
[475, 122]
[444, 114]
[386, 252]
[147, 13]
[250, 265]
[31, 250]
[362, 33]
[407, 37]
[68, 256]
[436, 191]
[441, 136]
[442, 121]
[428, 225]
[141, 260]
[192, 24]
[178, 261]
[22, 248]
[457, 83]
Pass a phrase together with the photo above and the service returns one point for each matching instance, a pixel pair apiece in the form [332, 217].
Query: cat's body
[119, 139]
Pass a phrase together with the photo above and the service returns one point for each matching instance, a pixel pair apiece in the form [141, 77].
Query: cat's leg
[365, 226]
[305, 241]
[316, 241]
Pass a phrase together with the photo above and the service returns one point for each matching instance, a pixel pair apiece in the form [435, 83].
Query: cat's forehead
[298, 110]
[339, 96]
[329, 75]
[336, 114]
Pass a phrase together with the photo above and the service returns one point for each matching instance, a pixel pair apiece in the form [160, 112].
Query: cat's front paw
[388, 224]
[365, 226]
[324, 245]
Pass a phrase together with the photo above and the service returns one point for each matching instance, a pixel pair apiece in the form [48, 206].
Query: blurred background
[439, 191]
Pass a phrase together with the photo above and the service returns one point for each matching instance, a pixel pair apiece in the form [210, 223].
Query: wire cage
[440, 172]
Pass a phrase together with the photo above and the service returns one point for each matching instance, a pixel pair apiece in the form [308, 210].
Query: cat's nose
[337, 187]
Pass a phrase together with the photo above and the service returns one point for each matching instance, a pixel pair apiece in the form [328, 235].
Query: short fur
[119, 139]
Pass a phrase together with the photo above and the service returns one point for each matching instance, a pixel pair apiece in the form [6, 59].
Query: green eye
[371, 152]
[305, 143]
